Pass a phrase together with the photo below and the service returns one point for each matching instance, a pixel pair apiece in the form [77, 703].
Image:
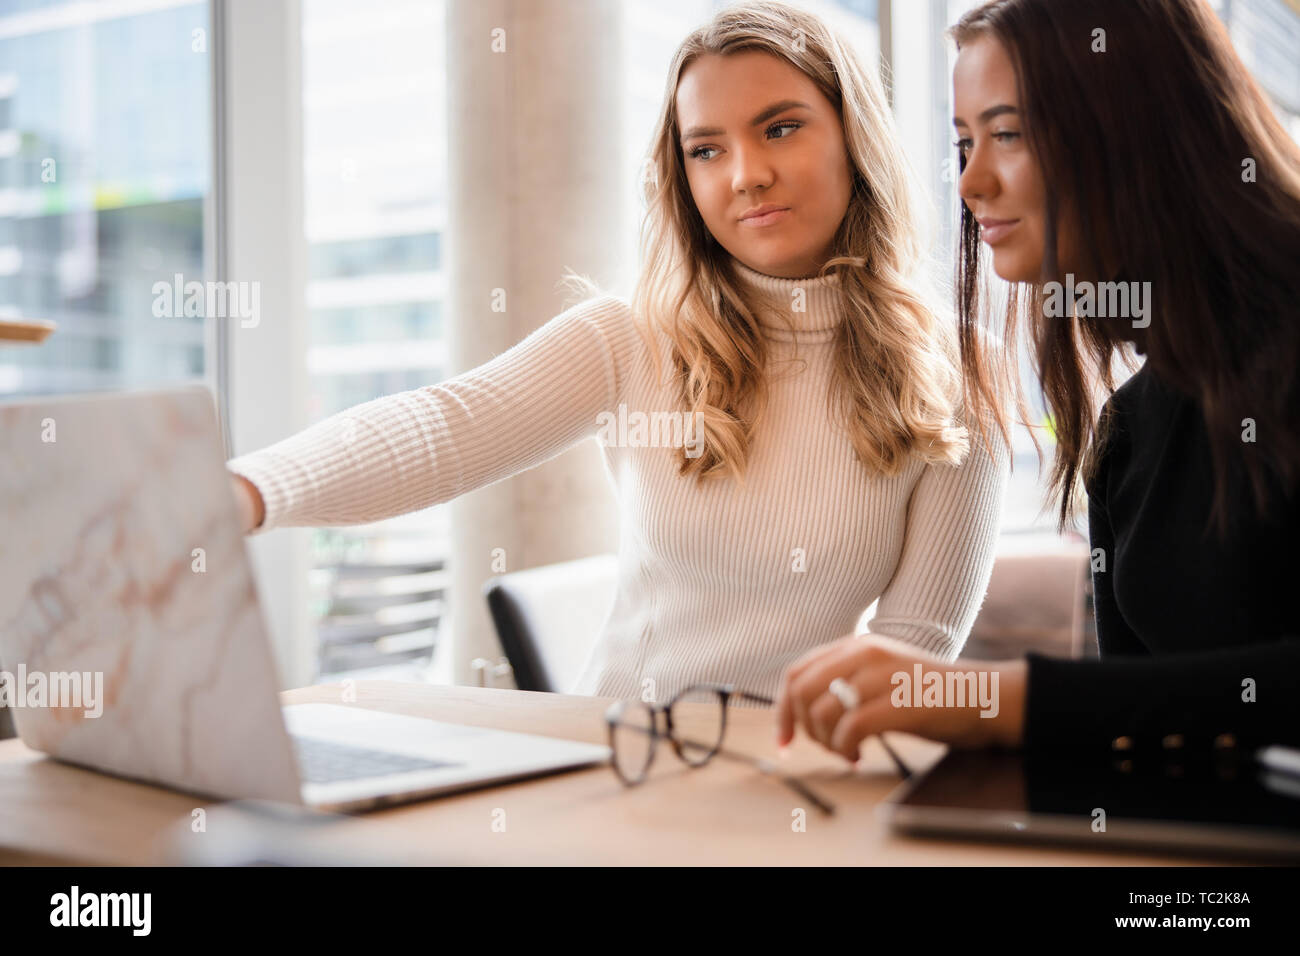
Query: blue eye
[788, 124]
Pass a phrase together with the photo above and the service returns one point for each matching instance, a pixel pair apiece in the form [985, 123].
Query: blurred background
[371, 166]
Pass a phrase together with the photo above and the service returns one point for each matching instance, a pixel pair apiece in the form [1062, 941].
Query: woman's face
[1002, 184]
[758, 132]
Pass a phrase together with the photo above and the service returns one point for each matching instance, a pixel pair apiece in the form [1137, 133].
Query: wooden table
[725, 813]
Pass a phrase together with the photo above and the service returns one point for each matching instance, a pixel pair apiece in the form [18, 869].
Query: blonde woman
[826, 463]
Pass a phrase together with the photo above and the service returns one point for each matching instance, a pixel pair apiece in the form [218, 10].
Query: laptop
[122, 563]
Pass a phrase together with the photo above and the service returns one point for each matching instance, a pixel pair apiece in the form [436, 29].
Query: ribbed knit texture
[716, 582]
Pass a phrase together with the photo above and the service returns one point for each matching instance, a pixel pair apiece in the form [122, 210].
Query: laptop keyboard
[321, 761]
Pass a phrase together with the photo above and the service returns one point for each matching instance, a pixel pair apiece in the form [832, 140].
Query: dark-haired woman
[1123, 141]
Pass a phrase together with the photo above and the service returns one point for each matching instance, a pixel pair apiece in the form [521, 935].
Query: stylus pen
[1282, 759]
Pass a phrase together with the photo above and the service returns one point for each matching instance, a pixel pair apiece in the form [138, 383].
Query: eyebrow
[988, 114]
[766, 114]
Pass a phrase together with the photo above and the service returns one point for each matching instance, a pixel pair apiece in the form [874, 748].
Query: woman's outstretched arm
[417, 448]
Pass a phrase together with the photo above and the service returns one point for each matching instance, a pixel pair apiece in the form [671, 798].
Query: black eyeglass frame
[725, 691]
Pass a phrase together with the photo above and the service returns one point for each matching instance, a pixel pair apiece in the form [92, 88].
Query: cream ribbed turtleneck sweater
[715, 582]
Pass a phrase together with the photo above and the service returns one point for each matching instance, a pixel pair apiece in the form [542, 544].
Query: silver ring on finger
[846, 693]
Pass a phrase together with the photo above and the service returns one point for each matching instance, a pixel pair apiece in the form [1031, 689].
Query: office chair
[548, 618]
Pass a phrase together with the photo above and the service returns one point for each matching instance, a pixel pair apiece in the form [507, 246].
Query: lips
[994, 231]
[765, 215]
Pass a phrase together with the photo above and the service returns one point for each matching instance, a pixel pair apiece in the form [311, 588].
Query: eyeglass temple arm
[767, 767]
[898, 762]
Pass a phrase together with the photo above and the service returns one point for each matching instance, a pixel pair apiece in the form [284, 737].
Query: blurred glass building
[105, 144]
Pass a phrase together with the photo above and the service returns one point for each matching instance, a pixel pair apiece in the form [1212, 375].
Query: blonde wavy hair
[896, 380]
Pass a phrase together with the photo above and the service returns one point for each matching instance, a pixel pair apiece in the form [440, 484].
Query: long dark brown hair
[1171, 167]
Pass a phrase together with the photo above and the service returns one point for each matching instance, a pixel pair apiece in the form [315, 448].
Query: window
[105, 137]
[1266, 33]
[375, 175]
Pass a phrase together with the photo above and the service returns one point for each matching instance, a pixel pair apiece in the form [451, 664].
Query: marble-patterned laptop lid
[131, 637]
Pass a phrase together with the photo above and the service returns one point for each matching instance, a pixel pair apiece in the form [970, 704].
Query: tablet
[1212, 804]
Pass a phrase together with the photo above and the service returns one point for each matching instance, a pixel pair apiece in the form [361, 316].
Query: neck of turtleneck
[777, 301]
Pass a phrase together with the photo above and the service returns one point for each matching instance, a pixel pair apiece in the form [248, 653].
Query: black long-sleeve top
[1184, 619]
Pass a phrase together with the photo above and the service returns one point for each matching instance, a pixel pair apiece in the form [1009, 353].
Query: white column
[536, 167]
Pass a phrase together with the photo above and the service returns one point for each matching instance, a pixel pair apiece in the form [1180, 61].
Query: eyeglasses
[694, 723]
